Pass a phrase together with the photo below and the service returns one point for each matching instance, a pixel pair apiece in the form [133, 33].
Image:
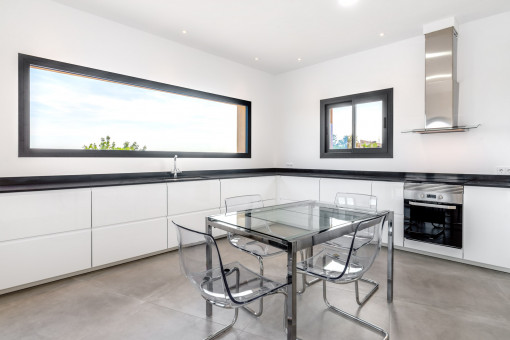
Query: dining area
[151, 298]
[323, 242]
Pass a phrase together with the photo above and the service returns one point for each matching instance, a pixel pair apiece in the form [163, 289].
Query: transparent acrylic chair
[225, 285]
[363, 237]
[356, 202]
[341, 265]
[258, 249]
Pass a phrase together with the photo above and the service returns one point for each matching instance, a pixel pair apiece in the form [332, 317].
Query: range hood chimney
[441, 87]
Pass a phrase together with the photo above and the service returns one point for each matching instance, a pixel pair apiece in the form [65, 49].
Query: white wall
[484, 77]
[285, 122]
[50, 30]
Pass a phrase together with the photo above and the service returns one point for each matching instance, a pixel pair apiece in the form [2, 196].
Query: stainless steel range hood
[441, 87]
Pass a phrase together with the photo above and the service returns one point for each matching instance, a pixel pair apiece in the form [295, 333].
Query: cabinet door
[291, 189]
[29, 260]
[187, 197]
[390, 196]
[114, 205]
[486, 222]
[124, 241]
[263, 185]
[195, 221]
[329, 187]
[29, 214]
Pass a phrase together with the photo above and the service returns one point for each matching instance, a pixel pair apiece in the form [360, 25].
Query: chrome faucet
[175, 171]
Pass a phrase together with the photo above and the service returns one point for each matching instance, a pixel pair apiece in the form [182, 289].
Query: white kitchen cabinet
[263, 185]
[291, 189]
[29, 214]
[120, 204]
[124, 241]
[194, 221]
[486, 225]
[329, 187]
[390, 196]
[37, 258]
[192, 196]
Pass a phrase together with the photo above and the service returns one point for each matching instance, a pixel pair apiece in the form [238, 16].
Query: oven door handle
[430, 205]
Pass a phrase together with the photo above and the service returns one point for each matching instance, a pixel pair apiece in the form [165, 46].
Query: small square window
[357, 126]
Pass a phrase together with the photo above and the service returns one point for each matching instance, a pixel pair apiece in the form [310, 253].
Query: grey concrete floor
[151, 299]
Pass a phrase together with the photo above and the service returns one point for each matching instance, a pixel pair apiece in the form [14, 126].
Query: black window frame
[24, 150]
[386, 95]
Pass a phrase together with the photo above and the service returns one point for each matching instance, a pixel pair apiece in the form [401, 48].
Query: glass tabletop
[292, 221]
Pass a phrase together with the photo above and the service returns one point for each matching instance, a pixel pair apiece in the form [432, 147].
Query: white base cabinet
[486, 223]
[330, 186]
[52, 233]
[124, 241]
[38, 258]
[265, 186]
[292, 189]
[195, 221]
[37, 213]
[128, 203]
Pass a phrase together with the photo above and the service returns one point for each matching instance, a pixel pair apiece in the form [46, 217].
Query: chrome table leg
[291, 292]
[390, 257]
[208, 258]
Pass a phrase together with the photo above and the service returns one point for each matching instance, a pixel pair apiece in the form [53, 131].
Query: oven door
[431, 222]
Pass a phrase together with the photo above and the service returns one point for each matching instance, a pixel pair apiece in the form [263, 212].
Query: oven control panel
[434, 192]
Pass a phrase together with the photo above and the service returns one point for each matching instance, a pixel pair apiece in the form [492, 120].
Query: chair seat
[329, 264]
[253, 247]
[251, 285]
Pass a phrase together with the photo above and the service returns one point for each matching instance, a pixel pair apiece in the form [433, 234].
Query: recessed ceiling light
[184, 32]
[347, 3]
[256, 58]
[381, 34]
[299, 59]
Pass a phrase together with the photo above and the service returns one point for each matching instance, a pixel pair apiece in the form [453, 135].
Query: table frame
[292, 247]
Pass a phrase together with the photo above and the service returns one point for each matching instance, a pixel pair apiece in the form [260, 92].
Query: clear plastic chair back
[334, 263]
[356, 201]
[244, 202]
[225, 285]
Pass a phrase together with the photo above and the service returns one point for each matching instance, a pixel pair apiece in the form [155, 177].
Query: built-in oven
[433, 213]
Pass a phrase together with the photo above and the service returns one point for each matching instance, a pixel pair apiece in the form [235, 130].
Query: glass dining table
[294, 227]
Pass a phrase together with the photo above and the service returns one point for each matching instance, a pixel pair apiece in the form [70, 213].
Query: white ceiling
[279, 32]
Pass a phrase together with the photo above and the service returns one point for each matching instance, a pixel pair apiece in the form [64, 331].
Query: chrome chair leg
[236, 312]
[352, 317]
[261, 301]
[305, 282]
[226, 328]
[369, 295]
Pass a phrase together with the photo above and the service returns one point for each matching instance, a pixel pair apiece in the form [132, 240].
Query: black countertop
[37, 183]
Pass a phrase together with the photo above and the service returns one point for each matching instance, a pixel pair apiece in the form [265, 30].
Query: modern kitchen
[290, 169]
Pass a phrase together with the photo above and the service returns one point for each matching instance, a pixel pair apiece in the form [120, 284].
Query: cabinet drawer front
[298, 188]
[114, 205]
[390, 196]
[486, 225]
[29, 214]
[195, 221]
[124, 241]
[39, 258]
[193, 196]
[329, 188]
[264, 186]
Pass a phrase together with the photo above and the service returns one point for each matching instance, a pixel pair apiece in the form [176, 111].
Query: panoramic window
[69, 110]
[356, 126]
